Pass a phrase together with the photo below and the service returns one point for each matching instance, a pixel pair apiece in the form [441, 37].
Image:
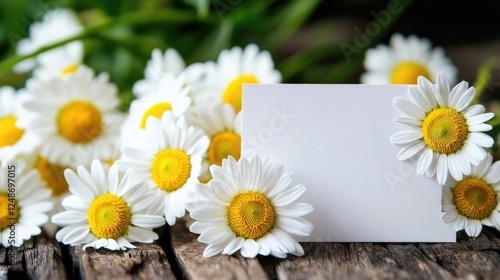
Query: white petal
[67, 218]
[77, 187]
[460, 223]
[493, 175]
[425, 161]
[477, 119]
[147, 221]
[410, 150]
[481, 139]
[474, 228]
[409, 108]
[233, 246]
[454, 167]
[297, 226]
[442, 169]
[136, 234]
[250, 249]
[212, 250]
[405, 137]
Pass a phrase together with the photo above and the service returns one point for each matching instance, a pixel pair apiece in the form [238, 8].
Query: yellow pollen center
[407, 72]
[52, 175]
[474, 198]
[109, 216]
[233, 92]
[251, 215]
[9, 132]
[222, 145]
[171, 169]
[79, 122]
[156, 111]
[9, 211]
[69, 70]
[445, 130]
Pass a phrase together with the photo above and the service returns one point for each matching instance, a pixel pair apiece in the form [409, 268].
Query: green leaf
[200, 5]
[289, 20]
[214, 43]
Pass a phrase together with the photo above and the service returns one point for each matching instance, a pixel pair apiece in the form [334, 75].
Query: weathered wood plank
[147, 261]
[469, 258]
[37, 258]
[189, 254]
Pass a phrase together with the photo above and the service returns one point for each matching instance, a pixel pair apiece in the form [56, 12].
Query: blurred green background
[303, 36]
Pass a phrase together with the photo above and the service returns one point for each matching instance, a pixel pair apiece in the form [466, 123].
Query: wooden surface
[178, 255]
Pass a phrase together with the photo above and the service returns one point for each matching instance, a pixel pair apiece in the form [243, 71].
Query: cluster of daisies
[93, 175]
[444, 132]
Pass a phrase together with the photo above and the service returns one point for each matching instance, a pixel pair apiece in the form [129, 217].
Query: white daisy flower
[223, 128]
[56, 25]
[250, 206]
[61, 62]
[107, 209]
[13, 139]
[234, 68]
[77, 117]
[168, 155]
[169, 62]
[170, 94]
[445, 132]
[404, 60]
[23, 203]
[52, 177]
[475, 200]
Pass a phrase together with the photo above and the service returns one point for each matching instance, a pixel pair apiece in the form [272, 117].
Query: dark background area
[468, 31]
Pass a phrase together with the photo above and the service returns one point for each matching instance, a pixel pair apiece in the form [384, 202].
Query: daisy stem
[136, 18]
[484, 77]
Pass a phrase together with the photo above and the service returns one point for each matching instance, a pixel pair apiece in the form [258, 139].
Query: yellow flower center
[109, 216]
[474, 198]
[251, 215]
[445, 130]
[69, 70]
[222, 145]
[233, 92]
[156, 111]
[9, 211]
[9, 132]
[171, 169]
[407, 72]
[79, 122]
[52, 175]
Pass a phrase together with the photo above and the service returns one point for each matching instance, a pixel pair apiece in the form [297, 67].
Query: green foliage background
[303, 36]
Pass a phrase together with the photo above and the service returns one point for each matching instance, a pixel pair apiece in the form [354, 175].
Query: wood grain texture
[147, 261]
[469, 258]
[189, 254]
[38, 258]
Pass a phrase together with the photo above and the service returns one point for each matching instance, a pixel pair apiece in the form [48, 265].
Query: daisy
[223, 128]
[250, 206]
[234, 68]
[405, 60]
[475, 200]
[23, 203]
[170, 94]
[56, 25]
[13, 139]
[168, 155]
[445, 132]
[107, 209]
[52, 177]
[169, 62]
[77, 117]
